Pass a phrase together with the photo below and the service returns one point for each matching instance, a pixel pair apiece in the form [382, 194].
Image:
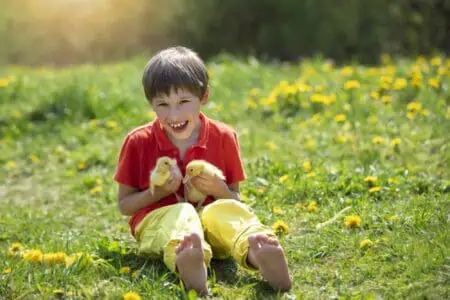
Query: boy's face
[178, 112]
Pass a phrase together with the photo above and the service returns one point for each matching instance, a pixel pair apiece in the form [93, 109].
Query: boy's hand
[211, 185]
[171, 186]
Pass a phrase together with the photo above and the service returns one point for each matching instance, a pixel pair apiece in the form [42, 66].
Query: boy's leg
[175, 232]
[232, 228]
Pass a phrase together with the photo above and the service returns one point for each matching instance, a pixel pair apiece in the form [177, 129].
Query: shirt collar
[164, 143]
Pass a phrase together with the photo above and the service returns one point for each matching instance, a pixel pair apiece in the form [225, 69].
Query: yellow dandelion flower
[35, 159]
[125, 270]
[33, 255]
[301, 87]
[386, 99]
[134, 275]
[131, 296]
[11, 165]
[54, 258]
[340, 118]
[400, 83]
[310, 174]
[374, 95]
[385, 82]
[311, 144]
[395, 142]
[271, 145]
[312, 206]
[283, 178]
[277, 210]
[307, 166]
[352, 85]
[347, 71]
[434, 82]
[111, 124]
[436, 61]
[370, 179]
[378, 140]
[7, 271]
[394, 180]
[365, 244]
[416, 80]
[268, 101]
[375, 189]
[414, 106]
[352, 221]
[98, 189]
[82, 165]
[410, 115]
[372, 119]
[280, 227]
[16, 247]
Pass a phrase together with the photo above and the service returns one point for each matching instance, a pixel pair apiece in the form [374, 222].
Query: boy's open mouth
[179, 127]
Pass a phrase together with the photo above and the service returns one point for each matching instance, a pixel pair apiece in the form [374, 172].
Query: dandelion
[410, 115]
[399, 84]
[386, 99]
[33, 255]
[283, 178]
[414, 107]
[340, 139]
[352, 221]
[375, 189]
[378, 140]
[436, 61]
[340, 118]
[394, 180]
[82, 165]
[370, 179]
[310, 174]
[98, 189]
[434, 82]
[347, 71]
[34, 159]
[111, 124]
[307, 166]
[352, 85]
[277, 210]
[372, 119]
[365, 244]
[54, 258]
[7, 271]
[312, 207]
[395, 142]
[280, 227]
[271, 145]
[11, 165]
[385, 82]
[16, 247]
[134, 274]
[131, 296]
[125, 270]
[311, 144]
[374, 95]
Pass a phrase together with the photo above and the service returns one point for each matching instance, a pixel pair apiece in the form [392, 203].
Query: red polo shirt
[217, 143]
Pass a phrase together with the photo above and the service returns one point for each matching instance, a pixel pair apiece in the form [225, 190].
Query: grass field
[316, 139]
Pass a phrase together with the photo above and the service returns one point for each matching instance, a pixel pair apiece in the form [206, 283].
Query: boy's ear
[205, 97]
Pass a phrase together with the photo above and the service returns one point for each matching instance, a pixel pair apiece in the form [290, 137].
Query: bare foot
[267, 256]
[190, 264]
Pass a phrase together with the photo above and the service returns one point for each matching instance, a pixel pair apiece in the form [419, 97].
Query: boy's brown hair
[175, 67]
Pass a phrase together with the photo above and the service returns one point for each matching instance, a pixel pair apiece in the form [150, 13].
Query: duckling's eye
[166, 163]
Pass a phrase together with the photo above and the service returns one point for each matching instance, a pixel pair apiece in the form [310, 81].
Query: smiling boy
[175, 83]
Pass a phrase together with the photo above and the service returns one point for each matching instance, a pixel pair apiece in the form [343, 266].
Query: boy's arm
[231, 193]
[131, 199]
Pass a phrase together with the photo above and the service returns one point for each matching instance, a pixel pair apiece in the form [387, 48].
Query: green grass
[61, 131]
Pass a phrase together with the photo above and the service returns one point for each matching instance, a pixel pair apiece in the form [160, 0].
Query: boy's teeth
[177, 125]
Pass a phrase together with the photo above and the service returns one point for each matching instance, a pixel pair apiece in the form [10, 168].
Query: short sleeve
[234, 170]
[128, 167]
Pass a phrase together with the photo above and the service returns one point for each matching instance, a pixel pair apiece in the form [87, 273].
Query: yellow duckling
[195, 168]
[161, 173]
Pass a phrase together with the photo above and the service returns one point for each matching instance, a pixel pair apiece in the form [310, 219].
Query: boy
[176, 85]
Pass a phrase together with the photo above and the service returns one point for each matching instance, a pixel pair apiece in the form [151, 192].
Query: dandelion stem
[334, 218]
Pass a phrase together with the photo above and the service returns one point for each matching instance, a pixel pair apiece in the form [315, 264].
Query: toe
[196, 240]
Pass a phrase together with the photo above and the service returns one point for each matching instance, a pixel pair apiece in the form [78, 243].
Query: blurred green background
[75, 31]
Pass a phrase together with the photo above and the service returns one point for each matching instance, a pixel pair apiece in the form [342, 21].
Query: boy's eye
[162, 104]
[184, 101]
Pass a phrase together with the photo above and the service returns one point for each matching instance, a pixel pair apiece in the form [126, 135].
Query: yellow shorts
[224, 227]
